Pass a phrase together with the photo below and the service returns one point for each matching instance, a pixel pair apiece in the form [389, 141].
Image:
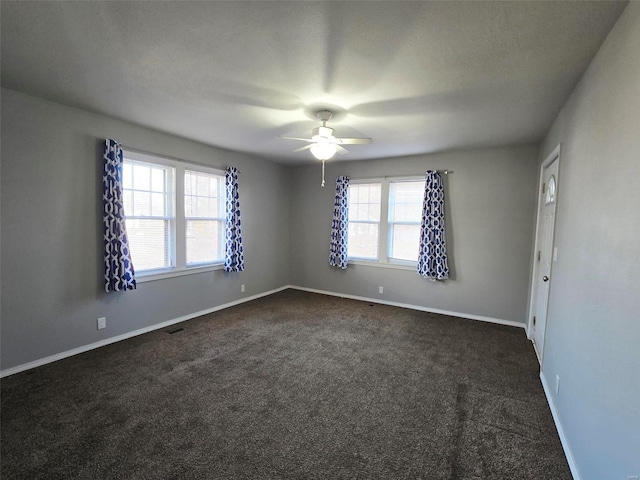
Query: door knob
[545, 279]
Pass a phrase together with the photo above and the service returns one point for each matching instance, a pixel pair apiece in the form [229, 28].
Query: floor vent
[175, 330]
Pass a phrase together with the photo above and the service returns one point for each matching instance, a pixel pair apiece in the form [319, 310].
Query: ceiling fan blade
[306, 147]
[341, 150]
[297, 138]
[354, 141]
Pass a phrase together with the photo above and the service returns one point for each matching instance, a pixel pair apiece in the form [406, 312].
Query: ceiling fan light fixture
[323, 144]
[323, 151]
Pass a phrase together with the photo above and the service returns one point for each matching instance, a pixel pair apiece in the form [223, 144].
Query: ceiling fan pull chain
[322, 184]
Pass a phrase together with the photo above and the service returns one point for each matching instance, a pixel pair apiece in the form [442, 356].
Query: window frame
[221, 219]
[170, 207]
[178, 233]
[384, 259]
[391, 224]
[366, 222]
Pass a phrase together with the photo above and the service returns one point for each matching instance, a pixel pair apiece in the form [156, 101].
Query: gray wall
[593, 328]
[490, 207]
[52, 285]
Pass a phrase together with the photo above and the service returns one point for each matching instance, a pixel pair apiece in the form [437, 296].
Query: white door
[545, 253]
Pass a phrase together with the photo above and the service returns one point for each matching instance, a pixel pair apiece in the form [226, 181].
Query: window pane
[551, 191]
[126, 176]
[405, 201]
[363, 240]
[158, 180]
[204, 241]
[363, 194]
[375, 191]
[364, 202]
[141, 177]
[158, 204]
[374, 212]
[203, 209]
[149, 192]
[189, 207]
[148, 242]
[216, 207]
[202, 185]
[201, 195]
[141, 204]
[405, 242]
[189, 183]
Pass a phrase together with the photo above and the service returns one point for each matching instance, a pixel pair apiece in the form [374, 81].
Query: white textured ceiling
[417, 77]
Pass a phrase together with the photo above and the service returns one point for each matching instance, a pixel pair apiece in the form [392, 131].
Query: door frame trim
[553, 156]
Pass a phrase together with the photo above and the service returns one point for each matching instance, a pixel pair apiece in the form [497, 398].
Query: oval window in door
[551, 191]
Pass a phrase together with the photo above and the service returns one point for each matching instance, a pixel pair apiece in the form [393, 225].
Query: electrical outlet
[102, 323]
[557, 384]
[242, 288]
[380, 289]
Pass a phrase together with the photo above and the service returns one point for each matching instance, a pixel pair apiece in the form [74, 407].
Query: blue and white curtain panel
[233, 254]
[119, 272]
[340, 225]
[432, 257]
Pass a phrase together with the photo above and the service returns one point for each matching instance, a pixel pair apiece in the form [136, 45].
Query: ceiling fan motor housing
[322, 133]
[324, 115]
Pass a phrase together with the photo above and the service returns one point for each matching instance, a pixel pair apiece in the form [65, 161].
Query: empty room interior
[320, 240]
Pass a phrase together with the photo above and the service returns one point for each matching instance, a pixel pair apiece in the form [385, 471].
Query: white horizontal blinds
[150, 217]
[204, 216]
[364, 220]
[405, 214]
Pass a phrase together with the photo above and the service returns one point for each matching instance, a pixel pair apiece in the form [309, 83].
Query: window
[175, 215]
[204, 213]
[384, 220]
[364, 220]
[551, 191]
[405, 217]
[149, 210]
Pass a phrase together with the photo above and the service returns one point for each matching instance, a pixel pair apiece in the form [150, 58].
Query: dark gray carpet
[291, 386]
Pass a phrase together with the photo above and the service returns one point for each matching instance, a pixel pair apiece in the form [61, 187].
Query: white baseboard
[510, 323]
[563, 439]
[124, 336]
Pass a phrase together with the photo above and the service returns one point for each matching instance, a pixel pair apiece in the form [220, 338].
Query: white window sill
[374, 263]
[151, 277]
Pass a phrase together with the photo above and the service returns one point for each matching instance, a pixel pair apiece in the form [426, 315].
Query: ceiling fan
[323, 144]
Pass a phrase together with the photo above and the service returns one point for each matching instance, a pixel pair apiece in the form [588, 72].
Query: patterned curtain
[339, 226]
[432, 257]
[233, 254]
[119, 272]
